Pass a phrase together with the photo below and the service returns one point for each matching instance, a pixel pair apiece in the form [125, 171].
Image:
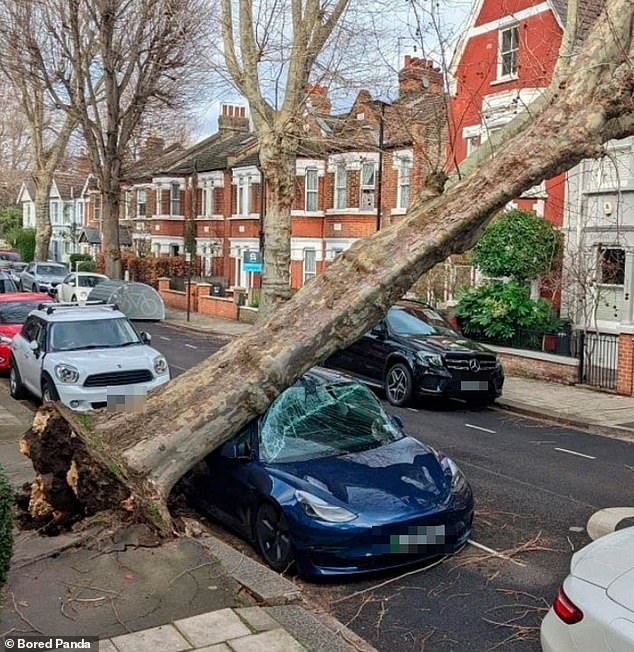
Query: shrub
[6, 526]
[23, 240]
[518, 244]
[78, 257]
[87, 266]
[496, 310]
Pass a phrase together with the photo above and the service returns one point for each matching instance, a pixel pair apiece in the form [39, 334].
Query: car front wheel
[398, 384]
[16, 388]
[49, 393]
[273, 538]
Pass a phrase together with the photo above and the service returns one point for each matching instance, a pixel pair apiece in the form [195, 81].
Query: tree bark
[43, 228]
[205, 406]
[277, 160]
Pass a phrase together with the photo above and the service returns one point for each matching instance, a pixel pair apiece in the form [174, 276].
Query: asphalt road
[536, 485]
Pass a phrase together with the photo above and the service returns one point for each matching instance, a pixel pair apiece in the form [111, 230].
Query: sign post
[188, 258]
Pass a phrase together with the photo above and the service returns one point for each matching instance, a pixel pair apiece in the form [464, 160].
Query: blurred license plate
[474, 385]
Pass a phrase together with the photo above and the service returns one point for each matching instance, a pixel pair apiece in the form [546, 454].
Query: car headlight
[430, 359]
[320, 510]
[66, 373]
[160, 365]
[453, 472]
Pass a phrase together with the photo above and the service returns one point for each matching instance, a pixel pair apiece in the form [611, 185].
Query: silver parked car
[42, 277]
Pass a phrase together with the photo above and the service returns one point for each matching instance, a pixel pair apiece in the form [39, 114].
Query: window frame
[309, 274]
[313, 193]
[97, 208]
[175, 199]
[141, 204]
[404, 174]
[367, 189]
[341, 189]
[513, 52]
[607, 276]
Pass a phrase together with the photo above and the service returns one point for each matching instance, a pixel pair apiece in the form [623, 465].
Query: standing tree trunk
[144, 455]
[43, 228]
[278, 165]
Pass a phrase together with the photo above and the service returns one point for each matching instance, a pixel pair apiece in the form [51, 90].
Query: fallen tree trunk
[141, 457]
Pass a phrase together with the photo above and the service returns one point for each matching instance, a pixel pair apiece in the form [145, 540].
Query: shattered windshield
[312, 420]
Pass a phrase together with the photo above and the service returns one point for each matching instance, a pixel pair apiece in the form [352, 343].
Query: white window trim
[303, 164]
[514, 75]
[175, 187]
[143, 203]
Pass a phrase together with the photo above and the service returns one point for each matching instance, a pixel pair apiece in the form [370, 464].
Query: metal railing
[562, 343]
[598, 362]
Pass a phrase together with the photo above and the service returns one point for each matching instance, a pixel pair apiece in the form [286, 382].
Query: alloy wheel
[273, 538]
[398, 384]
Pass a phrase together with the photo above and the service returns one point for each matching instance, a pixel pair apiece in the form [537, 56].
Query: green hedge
[6, 526]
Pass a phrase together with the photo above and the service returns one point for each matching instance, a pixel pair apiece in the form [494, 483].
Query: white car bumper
[81, 399]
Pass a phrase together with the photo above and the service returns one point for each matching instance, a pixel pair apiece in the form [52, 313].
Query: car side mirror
[4, 339]
[35, 347]
[230, 452]
[398, 421]
[379, 330]
[146, 338]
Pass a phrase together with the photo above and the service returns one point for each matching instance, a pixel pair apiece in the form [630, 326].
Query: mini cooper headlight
[66, 373]
[160, 365]
[320, 510]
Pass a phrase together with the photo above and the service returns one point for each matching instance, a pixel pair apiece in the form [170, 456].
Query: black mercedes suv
[415, 352]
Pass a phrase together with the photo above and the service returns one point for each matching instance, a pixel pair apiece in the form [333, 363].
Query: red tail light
[566, 609]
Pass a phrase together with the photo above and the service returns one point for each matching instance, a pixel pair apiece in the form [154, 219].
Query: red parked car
[14, 309]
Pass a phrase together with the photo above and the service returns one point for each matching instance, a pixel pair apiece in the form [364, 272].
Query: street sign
[252, 261]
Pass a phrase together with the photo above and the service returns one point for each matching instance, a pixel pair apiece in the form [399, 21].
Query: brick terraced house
[376, 154]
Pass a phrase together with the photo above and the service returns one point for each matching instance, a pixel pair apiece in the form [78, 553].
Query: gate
[598, 359]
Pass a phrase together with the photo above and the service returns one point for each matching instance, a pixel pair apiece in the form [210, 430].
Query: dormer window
[509, 50]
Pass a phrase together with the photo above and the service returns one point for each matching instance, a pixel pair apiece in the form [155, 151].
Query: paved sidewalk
[205, 323]
[599, 412]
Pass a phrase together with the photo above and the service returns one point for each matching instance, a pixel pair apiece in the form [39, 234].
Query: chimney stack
[233, 118]
[418, 77]
[317, 98]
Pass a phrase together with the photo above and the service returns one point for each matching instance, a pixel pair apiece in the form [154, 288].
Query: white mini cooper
[83, 356]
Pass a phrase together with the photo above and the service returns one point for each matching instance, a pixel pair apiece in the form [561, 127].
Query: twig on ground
[23, 617]
[392, 579]
[189, 570]
[116, 615]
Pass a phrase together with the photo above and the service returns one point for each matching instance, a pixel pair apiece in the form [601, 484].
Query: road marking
[470, 425]
[175, 366]
[565, 450]
[164, 338]
[191, 346]
[412, 409]
[495, 553]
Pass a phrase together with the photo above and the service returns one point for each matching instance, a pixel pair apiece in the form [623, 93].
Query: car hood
[608, 563]
[91, 361]
[50, 279]
[400, 478]
[443, 344]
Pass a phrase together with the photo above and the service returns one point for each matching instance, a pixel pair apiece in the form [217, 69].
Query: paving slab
[213, 627]
[165, 638]
[221, 647]
[257, 618]
[275, 639]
